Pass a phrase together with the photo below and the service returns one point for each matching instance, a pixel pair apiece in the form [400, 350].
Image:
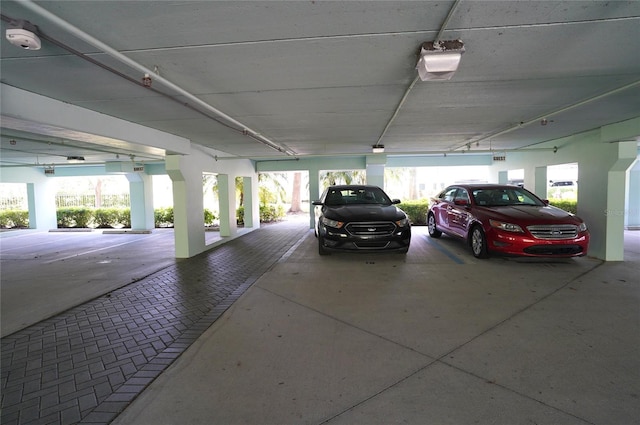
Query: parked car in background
[360, 218]
[505, 219]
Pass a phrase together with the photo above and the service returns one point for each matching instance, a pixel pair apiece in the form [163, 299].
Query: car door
[458, 212]
[443, 209]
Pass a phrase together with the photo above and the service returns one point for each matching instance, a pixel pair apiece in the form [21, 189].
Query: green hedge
[74, 217]
[268, 213]
[14, 219]
[416, 210]
[104, 218]
[272, 212]
[567, 205]
[163, 217]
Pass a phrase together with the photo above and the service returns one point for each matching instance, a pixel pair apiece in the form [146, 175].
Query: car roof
[352, 186]
[485, 186]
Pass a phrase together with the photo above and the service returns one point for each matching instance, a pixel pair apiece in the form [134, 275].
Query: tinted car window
[450, 194]
[462, 195]
[368, 195]
[505, 196]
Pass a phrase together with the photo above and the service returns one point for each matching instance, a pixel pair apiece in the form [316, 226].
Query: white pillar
[141, 194]
[188, 208]
[227, 197]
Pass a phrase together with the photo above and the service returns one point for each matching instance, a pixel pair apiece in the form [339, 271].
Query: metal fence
[121, 200]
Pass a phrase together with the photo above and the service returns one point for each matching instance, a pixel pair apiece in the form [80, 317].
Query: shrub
[240, 215]
[163, 217]
[106, 217]
[74, 217]
[271, 213]
[14, 219]
[564, 204]
[209, 217]
[123, 216]
[416, 210]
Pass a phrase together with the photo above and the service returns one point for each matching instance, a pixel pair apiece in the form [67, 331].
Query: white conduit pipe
[29, 4]
[550, 114]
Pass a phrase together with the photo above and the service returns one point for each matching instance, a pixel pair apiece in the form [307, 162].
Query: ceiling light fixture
[75, 158]
[439, 60]
[378, 149]
[23, 35]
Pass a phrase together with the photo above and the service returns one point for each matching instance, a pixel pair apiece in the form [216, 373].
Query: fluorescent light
[439, 61]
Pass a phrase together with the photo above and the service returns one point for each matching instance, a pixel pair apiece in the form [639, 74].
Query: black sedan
[360, 218]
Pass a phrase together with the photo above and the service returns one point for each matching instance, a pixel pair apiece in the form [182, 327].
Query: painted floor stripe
[443, 250]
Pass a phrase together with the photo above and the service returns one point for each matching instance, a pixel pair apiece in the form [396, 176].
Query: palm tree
[331, 178]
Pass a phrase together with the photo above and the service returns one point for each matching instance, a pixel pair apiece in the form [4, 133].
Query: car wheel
[321, 249]
[478, 243]
[433, 230]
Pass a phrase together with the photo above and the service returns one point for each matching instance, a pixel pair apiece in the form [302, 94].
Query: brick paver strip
[88, 363]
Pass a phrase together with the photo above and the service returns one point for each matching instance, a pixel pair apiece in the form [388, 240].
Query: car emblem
[371, 229]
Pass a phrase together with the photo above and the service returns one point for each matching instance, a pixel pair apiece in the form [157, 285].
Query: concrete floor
[433, 337]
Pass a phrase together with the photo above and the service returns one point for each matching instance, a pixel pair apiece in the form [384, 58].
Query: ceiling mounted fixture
[439, 60]
[75, 158]
[23, 35]
[378, 149]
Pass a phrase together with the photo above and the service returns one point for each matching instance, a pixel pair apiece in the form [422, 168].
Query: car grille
[557, 231]
[553, 250]
[376, 228]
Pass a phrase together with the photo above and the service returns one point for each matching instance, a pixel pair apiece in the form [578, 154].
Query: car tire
[321, 249]
[433, 229]
[478, 242]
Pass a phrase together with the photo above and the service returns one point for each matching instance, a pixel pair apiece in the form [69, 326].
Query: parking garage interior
[248, 324]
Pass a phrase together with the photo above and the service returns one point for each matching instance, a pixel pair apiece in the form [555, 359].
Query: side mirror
[546, 201]
[317, 202]
[396, 201]
[461, 202]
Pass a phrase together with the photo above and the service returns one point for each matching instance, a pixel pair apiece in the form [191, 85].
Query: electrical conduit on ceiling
[415, 80]
[29, 4]
[550, 114]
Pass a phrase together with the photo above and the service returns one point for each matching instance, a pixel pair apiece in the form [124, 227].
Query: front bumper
[399, 238]
[522, 245]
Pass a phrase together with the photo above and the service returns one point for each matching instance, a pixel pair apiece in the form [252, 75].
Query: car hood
[533, 214]
[359, 212]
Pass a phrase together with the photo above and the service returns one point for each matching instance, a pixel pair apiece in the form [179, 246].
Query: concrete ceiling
[323, 77]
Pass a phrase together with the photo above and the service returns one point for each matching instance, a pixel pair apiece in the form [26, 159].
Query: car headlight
[403, 223]
[332, 223]
[507, 227]
[582, 227]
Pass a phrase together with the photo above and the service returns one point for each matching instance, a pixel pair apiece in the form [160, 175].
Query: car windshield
[495, 197]
[358, 195]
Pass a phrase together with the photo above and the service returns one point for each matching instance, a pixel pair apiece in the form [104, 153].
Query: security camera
[23, 38]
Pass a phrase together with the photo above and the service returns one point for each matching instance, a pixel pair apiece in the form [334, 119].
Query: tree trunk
[98, 193]
[295, 195]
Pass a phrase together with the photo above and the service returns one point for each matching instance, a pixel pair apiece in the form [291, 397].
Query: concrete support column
[41, 199]
[602, 206]
[314, 193]
[375, 169]
[251, 204]
[227, 197]
[141, 194]
[188, 208]
[503, 177]
[632, 208]
[540, 182]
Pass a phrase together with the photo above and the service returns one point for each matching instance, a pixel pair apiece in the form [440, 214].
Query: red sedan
[507, 220]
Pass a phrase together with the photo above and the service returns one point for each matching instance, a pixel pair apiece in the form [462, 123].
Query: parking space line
[443, 250]
[91, 251]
